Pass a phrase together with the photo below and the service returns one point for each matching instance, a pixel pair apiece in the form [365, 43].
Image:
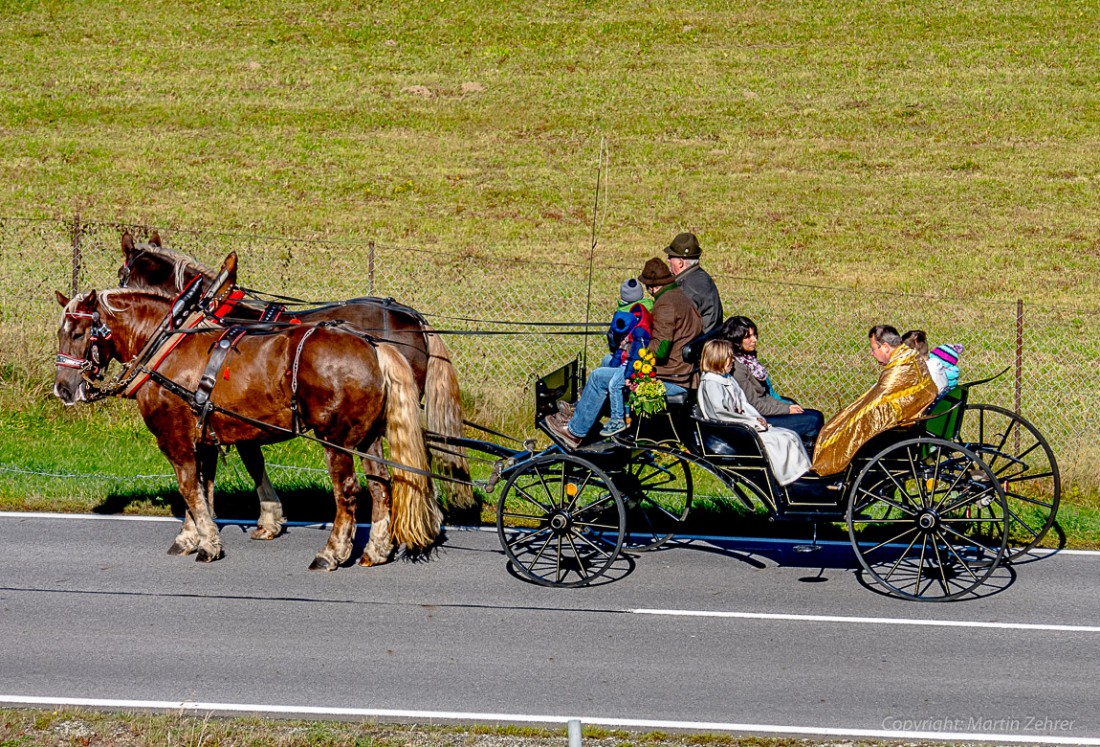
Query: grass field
[852, 143]
[928, 148]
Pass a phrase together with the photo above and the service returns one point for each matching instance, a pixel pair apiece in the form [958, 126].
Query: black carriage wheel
[1024, 464]
[560, 520]
[927, 519]
[656, 485]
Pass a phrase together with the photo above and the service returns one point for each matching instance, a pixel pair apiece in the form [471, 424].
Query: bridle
[124, 273]
[91, 369]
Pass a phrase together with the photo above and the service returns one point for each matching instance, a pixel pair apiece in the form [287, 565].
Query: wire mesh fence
[813, 339]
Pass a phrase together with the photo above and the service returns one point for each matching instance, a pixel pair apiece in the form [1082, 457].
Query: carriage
[931, 510]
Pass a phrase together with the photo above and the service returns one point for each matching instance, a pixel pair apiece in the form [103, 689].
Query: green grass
[839, 142]
[31, 728]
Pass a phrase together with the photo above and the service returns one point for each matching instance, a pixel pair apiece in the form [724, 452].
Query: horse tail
[415, 515]
[443, 407]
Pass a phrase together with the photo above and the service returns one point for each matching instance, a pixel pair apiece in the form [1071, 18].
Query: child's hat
[949, 353]
[631, 291]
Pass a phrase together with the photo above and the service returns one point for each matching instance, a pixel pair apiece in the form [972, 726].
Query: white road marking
[871, 620]
[520, 718]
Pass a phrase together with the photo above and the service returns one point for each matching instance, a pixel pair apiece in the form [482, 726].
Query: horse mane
[180, 262]
[111, 301]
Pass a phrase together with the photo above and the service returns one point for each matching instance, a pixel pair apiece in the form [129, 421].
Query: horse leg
[345, 489]
[210, 542]
[380, 547]
[271, 521]
[187, 541]
[197, 523]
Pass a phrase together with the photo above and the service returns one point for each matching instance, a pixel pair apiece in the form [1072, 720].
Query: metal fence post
[77, 260]
[1019, 362]
[574, 730]
[370, 268]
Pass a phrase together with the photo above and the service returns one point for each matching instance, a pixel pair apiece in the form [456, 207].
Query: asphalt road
[94, 609]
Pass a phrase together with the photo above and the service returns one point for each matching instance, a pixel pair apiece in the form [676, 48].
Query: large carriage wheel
[560, 520]
[657, 486]
[1024, 464]
[927, 519]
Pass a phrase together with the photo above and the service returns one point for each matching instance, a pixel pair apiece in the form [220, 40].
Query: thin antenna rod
[592, 250]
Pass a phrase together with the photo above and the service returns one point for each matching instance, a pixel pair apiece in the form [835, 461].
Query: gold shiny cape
[903, 392]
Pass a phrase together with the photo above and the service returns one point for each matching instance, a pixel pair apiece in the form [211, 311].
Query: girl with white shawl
[721, 399]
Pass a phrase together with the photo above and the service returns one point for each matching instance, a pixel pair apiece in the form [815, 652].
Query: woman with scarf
[753, 377]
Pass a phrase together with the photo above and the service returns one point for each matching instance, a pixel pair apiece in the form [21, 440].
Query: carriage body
[931, 509]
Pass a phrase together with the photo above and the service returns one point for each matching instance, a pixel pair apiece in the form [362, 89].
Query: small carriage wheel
[656, 485]
[1024, 464]
[561, 520]
[927, 519]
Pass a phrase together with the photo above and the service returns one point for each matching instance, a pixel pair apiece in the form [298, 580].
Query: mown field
[942, 151]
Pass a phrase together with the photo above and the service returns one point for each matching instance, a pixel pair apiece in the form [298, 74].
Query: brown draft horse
[348, 391]
[151, 266]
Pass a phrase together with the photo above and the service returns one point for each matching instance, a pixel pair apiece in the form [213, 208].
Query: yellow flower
[637, 365]
[647, 368]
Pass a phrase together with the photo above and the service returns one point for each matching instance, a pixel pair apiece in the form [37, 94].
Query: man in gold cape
[903, 392]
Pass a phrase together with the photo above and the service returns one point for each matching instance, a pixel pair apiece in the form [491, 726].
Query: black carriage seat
[720, 441]
[678, 398]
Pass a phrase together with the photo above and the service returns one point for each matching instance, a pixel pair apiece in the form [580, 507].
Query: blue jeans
[603, 381]
[806, 424]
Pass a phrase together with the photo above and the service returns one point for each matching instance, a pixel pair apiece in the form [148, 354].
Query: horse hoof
[205, 556]
[263, 533]
[180, 549]
[322, 564]
[367, 562]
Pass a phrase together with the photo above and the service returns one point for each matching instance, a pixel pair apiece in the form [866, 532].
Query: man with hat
[683, 258]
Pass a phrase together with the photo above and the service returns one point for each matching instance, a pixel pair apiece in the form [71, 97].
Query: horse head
[154, 267]
[85, 347]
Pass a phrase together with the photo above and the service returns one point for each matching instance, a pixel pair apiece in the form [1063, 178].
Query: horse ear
[155, 239]
[127, 244]
[62, 299]
[88, 301]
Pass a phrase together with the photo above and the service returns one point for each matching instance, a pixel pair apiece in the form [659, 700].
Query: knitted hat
[631, 291]
[656, 273]
[949, 353]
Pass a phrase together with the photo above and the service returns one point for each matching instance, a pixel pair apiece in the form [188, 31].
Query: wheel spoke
[883, 499]
[890, 541]
[590, 543]
[581, 565]
[522, 490]
[963, 563]
[514, 515]
[971, 540]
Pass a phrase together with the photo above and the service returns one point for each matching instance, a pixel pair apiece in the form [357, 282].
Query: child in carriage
[629, 332]
[942, 361]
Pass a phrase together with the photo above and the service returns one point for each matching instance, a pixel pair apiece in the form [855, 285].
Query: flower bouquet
[647, 392]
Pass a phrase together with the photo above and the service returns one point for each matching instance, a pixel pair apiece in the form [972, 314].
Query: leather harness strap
[201, 401]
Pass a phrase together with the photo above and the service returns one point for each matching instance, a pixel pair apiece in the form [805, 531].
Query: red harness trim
[228, 304]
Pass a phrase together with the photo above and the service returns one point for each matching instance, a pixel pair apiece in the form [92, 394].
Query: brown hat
[684, 246]
[656, 272]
